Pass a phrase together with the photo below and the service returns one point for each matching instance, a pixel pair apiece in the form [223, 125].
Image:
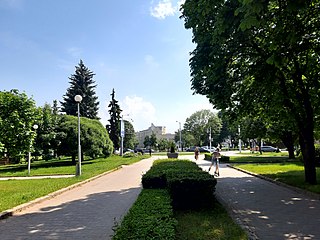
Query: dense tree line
[55, 133]
[260, 59]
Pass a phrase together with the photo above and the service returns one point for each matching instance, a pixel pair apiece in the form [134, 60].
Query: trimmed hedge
[188, 185]
[183, 185]
[150, 217]
[207, 156]
[156, 176]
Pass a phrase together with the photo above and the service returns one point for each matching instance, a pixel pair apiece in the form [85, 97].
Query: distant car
[269, 149]
[207, 148]
[201, 149]
[140, 150]
[128, 150]
[191, 149]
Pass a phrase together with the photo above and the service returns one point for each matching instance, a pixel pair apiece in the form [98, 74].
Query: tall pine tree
[113, 127]
[82, 83]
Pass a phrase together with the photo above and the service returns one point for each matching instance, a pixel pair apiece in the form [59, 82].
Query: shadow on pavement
[91, 217]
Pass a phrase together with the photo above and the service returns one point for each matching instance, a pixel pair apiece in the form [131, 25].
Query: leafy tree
[95, 140]
[45, 131]
[163, 144]
[114, 122]
[130, 140]
[146, 141]
[198, 124]
[187, 138]
[81, 83]
[153, 140]
[259, 55]
[18, 114]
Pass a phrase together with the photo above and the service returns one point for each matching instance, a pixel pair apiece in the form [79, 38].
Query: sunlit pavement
[265, 209]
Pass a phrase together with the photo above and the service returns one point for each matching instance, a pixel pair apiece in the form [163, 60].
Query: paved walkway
[267, 210]
[86, 212]
[90, 211]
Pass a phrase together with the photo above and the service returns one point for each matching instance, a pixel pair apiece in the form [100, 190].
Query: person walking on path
[196, 153]
[215, 162]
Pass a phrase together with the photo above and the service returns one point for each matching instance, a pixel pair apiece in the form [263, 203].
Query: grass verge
[209, 224]
[16, 192]
[291, 173]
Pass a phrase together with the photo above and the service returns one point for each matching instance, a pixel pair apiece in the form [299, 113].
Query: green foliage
[81, 83]
[259, 58]
[163, 144]
[208, 156]
[191, 190]
[189, 186]
[128, 155]
[156, 176]
[18, 114]
[94, 137]
[114, 122]
[46, 133]
[208, 224]
[198, 125]
[286, 172]
[130, 140]
[150, 217]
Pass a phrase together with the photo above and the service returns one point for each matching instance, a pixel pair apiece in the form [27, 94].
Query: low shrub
[128, 155]
[156, 176]
[207, 156]
[191, 190]
[188, 185]
[150, 217]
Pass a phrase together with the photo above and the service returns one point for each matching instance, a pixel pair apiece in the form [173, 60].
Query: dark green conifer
[81, 83]
[113, 127]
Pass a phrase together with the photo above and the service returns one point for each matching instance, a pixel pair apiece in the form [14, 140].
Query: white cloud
[135, 109]
[163, 9]
[140, 111]
[150, 61]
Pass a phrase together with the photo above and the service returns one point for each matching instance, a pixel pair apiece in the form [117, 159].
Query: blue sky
[138, 47]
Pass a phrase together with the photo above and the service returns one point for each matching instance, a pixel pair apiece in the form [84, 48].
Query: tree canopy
[95, 140]
[260, 56]
[199, 124]
[114, 122]
[81, 83]
[18, 114]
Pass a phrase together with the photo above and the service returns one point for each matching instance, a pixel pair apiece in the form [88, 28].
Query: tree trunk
[73, 159]
[288, 140]
[291, 151]
[308, 153]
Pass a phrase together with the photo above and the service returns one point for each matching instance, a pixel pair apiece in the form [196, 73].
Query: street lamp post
[78, 99]
[35, 127]
[180, 143]
[210, 138]
[239, 138]
[122, 132]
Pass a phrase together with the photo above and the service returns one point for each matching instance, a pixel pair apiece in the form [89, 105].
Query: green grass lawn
[208, 224]
[285, 171]
[16, 192]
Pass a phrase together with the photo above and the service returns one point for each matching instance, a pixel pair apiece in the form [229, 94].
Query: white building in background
[159, 131]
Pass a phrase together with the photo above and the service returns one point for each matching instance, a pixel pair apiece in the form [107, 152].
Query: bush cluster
[207, 156]
[168, 185]
[188, 185]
